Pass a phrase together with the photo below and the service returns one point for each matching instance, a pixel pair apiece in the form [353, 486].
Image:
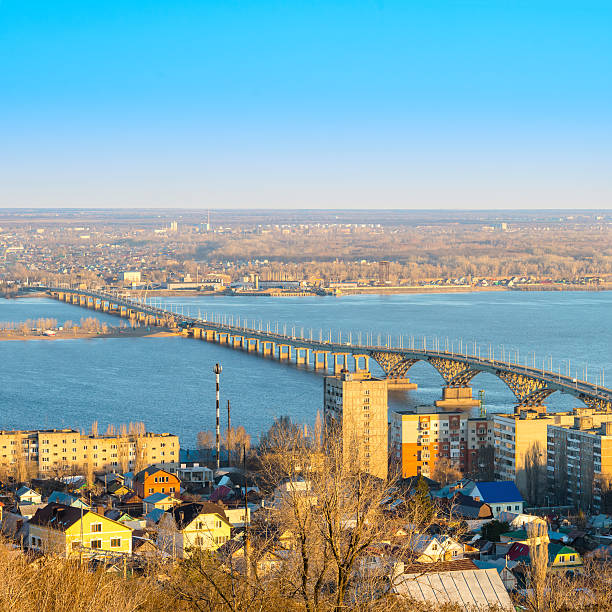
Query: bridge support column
[340, 365]
[357, 363]
[302, 356]
[237, 341]
[252, 345]
[319, 364]
[268, 348]
[282, 354]
[457, 397]
[197, 333]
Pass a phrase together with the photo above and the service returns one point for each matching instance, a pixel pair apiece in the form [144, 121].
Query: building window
[96, 544]
[96, 528]
[115, 542]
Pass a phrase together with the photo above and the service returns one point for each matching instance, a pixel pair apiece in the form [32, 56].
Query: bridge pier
[401, 384]
[282, 354]
[319, 364]
[302, 356]
[457, 397]
[339, 366]
[357, 363]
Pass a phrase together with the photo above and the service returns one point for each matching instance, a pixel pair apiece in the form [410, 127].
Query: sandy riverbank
[137, 332]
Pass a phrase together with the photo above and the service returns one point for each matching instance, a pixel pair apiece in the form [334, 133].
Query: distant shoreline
[137, 332]
[359, 291]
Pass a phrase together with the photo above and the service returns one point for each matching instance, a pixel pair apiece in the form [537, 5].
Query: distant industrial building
[132, 276]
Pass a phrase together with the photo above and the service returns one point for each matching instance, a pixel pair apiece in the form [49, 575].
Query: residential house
[561, 558]
[162, 501]
[66, 530]
[431, 549]
[193, 525]
[501, 496]
[236, 515]
[517, 520]
[155, 480]
[59, 497]
[504, 569]
[25, 495]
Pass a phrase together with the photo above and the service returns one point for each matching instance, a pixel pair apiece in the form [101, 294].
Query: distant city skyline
[334, 105]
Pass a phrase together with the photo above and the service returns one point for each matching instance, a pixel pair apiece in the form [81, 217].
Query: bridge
[531, 386]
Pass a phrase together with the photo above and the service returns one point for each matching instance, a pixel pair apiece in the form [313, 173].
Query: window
[96, 528]
[115, 542]
[96, 544]
[572, 557]
[517, 508]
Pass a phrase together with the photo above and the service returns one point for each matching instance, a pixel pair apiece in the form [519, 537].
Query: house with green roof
[561, 558]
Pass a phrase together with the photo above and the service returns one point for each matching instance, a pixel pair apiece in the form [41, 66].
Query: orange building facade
[154, 480]
[419, 438]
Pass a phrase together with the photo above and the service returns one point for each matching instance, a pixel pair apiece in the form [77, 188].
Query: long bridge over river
[531, 386]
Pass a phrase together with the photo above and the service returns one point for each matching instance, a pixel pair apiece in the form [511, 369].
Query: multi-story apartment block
[355, 404]
[516, 436]
[579, 460]
[65, 450]
[420, 437]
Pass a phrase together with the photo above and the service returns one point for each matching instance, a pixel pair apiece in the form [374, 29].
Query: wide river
[168, 382]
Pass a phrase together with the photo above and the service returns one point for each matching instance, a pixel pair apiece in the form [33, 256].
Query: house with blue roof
[59, 497]
[502, 496]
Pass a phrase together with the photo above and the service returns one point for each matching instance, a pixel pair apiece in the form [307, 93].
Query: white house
[25, 495]
[431, 549]
[502, 496]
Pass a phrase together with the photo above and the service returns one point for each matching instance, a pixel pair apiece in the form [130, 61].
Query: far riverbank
[115, 332]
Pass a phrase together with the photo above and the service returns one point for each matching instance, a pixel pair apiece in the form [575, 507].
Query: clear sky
[306, 103]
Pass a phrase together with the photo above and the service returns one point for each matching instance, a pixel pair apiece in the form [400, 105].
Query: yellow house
[66, 531]
[193, 525]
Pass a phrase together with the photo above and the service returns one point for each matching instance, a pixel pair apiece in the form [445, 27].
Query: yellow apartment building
[355, 404]
[53, 451]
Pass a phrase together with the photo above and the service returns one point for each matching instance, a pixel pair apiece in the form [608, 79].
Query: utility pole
[217, 371]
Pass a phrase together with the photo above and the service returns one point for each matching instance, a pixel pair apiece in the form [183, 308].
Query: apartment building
[356, 405]
[579, 460]
[66, 450]
[420, 437]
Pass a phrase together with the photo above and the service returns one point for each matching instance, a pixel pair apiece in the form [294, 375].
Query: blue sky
[306, 104]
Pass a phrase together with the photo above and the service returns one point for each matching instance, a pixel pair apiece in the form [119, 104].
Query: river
[168, 382]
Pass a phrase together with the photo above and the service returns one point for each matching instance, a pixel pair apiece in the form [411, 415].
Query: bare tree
[445, 472]
[534, 472]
